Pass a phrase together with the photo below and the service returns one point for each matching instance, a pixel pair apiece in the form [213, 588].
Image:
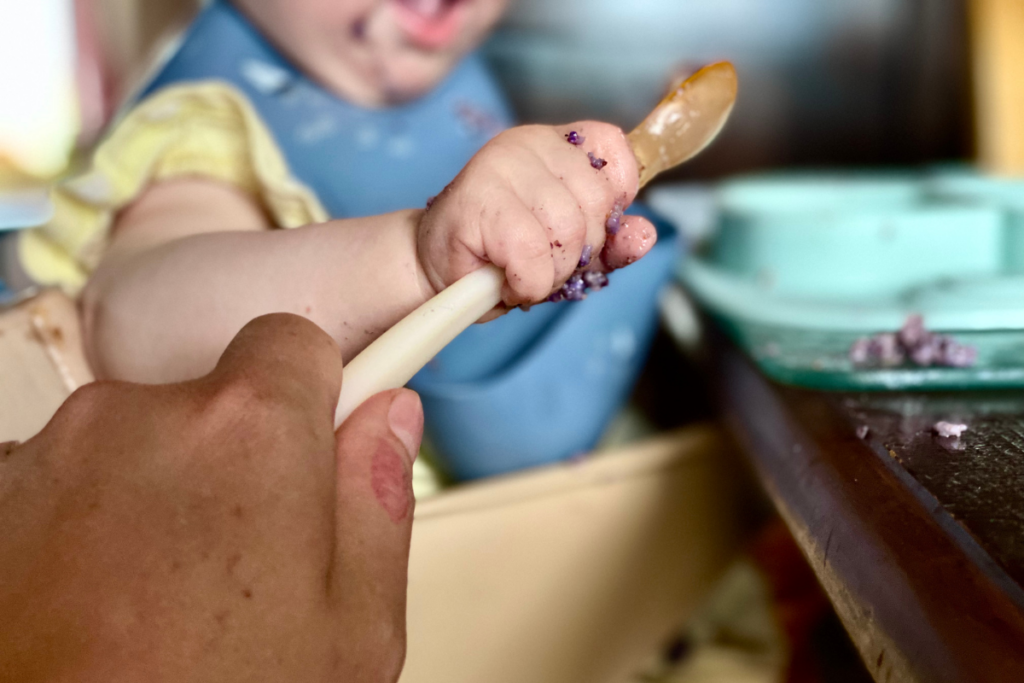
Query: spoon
[682, 124]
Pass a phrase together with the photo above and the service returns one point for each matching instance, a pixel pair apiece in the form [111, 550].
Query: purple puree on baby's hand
[614, 221]
[585, 256]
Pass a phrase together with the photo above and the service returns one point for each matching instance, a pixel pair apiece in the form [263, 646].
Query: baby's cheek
[633, 240]
[391, 482]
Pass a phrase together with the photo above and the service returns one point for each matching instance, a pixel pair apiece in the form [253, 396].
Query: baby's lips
[634, 239]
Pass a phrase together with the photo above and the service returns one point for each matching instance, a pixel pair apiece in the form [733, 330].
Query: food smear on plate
[913, 344]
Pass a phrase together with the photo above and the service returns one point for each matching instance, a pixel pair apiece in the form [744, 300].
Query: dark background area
[871, 83]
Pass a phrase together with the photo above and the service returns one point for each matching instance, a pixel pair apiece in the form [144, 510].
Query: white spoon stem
[398, 354]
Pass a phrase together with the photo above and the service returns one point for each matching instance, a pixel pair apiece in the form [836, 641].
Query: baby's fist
[541, 202]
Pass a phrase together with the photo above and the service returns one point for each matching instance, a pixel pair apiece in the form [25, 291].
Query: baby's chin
[388, 68]
[409, 77]
[384, 80]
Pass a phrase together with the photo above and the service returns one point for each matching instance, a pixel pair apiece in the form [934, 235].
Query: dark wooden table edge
[921, 599]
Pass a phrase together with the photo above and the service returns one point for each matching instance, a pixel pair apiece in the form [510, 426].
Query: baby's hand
[542, 202]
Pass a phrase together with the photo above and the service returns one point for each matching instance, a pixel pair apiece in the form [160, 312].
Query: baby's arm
[192, 261]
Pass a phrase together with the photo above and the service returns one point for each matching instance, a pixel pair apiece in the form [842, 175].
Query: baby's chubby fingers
[592, 162]
[635, 238]
[534, 201]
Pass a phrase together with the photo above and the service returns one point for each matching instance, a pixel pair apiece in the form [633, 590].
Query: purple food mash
[927, 354]
[574, 289]
[614, 221]
[914, 342]
[949, 429]
[886, 349]
[860, 351]
[430, 202]
[575, 138]
[585, 256]
[595, 280]
[960, 355]
[577, 286]
[596, 162]
[913, 332]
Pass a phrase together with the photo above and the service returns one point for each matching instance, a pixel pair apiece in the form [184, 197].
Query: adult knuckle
[87, 421]
[239, 400]
[87, 403]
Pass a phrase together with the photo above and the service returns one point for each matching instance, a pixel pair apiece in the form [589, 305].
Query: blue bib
[359, 161]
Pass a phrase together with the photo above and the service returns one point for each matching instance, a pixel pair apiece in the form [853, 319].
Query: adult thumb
[376, 447]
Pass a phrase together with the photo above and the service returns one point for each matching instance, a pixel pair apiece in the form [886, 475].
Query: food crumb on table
[949, 429]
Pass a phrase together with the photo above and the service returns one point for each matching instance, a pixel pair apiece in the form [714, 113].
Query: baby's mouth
[429, 24]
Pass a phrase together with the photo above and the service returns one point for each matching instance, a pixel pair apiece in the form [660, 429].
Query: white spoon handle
[399, 353]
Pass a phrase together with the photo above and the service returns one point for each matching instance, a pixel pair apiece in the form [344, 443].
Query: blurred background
[893, 89]
[869, 82]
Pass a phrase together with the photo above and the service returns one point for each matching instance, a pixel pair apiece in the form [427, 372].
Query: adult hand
[216, 530]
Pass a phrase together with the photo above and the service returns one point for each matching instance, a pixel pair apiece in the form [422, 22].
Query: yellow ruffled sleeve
[207, 129]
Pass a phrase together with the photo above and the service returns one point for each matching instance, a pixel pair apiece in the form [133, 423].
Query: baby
[170, 238]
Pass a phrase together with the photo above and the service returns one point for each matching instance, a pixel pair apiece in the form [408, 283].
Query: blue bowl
[539, 387]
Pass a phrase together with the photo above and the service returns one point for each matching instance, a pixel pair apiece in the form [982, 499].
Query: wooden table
[918, 540]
